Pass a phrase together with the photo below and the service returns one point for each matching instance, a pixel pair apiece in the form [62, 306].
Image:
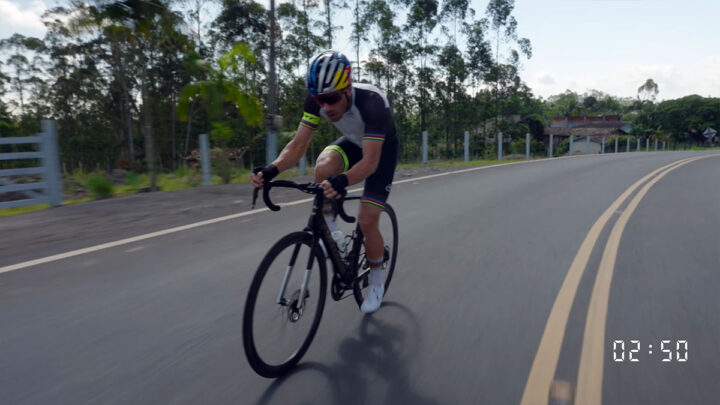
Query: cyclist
[368, 150]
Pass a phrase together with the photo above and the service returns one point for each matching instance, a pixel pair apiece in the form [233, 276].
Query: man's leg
[329, 163]
[369, 218]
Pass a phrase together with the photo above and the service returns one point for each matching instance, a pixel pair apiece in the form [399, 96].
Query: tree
[648, 91]
[505, 75]
[360, 28]
[331, 7]
[421, 22]
[24, 58]
[223, 94]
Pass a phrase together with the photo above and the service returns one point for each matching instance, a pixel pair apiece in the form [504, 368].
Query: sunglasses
[329, 98]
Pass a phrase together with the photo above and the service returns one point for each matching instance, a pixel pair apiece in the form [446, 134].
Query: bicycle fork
[286, 278]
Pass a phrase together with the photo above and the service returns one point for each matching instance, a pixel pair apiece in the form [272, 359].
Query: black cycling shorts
[378, 184]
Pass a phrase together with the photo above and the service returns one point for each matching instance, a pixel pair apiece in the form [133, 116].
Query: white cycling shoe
[374, 298]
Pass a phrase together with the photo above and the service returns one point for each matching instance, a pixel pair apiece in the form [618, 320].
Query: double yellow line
[590, 373]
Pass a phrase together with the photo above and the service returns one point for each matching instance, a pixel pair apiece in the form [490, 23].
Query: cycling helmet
[328, 72]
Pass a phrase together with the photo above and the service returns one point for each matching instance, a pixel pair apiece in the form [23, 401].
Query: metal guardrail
[47, 191]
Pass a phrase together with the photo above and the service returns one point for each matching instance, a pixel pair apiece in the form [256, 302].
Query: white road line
[135, 249]
[121, 242]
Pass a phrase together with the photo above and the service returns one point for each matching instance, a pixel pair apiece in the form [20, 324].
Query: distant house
[595, 127]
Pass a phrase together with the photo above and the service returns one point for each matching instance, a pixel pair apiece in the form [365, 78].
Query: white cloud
[674, 80]
[545, 78]
[26, 20]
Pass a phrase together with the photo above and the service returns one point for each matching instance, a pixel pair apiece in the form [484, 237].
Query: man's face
[334, 104]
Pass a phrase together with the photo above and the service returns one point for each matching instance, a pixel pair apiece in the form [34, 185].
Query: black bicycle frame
[318, 228]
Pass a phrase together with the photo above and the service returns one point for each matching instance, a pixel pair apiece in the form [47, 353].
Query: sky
[608, 45]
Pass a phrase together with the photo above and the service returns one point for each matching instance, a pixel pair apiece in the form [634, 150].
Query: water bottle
[339, 238]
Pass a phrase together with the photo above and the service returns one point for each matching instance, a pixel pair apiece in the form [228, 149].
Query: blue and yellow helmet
[328, 72]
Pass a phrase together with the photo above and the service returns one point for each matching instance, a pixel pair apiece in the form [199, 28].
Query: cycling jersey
[368, 119]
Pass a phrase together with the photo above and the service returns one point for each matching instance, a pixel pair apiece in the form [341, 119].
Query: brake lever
[340, 209]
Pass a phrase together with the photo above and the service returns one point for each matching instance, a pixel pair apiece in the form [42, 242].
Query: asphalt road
[483, 257]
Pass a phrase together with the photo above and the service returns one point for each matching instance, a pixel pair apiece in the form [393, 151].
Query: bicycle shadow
[376, 362]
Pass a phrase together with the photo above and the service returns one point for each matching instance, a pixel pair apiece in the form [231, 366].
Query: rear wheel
[279, 325]
[389, 231]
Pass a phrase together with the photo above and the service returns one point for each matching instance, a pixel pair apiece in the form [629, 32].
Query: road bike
[283, 308]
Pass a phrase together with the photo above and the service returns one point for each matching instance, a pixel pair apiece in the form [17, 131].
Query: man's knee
[368, 219]
[328, 164]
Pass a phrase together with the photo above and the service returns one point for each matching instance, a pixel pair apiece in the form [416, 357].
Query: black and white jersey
[369, 117]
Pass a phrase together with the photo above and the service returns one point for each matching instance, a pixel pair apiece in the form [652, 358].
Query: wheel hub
[294, 310]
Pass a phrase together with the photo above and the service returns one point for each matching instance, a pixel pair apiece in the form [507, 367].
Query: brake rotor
[294, 310]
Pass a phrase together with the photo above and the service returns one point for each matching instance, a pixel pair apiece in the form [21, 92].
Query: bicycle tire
[260, 365]
[360, 285]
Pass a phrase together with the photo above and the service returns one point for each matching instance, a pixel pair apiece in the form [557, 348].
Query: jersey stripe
[372, 201]
[374, 137]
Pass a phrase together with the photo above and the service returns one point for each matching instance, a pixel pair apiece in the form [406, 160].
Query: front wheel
[389, 231]
[284, 305]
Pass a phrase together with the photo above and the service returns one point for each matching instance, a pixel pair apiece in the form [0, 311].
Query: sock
[376, 266]
[330, 218]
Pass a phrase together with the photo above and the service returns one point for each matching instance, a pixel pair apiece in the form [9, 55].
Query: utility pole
[271, 141]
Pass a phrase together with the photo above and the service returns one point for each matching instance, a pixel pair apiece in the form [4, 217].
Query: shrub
[132, 179]
[222, 165]
[100, 186]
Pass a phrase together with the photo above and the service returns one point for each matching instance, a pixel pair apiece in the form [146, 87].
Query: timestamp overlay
[635, 320]
[663, 299]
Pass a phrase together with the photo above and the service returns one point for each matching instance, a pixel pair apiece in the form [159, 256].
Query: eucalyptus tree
[390, 67]
[479, 51]
[648, 91]
[25, 70]
[300, 42]
[505, 72]
[361, 25]
[145, 23]
[98, 23]
[450, 90]
[421, 21]
[330, 9]
[82, 92]
[195, 12]
[173, 69]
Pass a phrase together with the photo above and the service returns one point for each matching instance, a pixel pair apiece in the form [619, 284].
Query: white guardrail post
[550, 150]
[499, 142]
[51, 161]
[425, 147]
[467, 146]
[205, 158]
[527, 146]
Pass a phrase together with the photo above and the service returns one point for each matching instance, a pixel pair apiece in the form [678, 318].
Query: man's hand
[261, 174]
[334, 187]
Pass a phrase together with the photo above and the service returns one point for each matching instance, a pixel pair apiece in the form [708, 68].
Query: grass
[185, 178]
[452, 163]
[704, 148]
[30, 208]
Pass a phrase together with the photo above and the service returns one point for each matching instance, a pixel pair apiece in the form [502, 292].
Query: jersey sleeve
[378, 119]
[311, 114]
